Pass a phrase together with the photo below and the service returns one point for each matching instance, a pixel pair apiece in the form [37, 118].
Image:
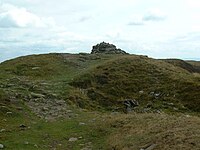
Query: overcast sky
[157, 28]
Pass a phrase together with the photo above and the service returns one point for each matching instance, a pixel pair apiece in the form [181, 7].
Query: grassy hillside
[154, 83]
[47, 99]
[195, 64]
[104, 81]
[190, 66]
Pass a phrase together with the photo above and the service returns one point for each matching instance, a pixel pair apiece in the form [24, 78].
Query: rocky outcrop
[107, 49]
[130, 104]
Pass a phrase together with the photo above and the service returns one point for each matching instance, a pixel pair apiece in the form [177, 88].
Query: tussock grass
[137, 131]
[100, 82]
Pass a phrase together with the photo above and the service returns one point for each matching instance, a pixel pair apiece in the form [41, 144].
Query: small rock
[35, 145]
[22, 126]
[130, 104]
[1, 146]
[69, 111]
[141, 92]
[158, 111]
[151, 93]
[81, 123]
[150, 147]
[45, 109]
[170, 104]
[36, 95]
[19, 108]
[72, 139]
[187, 116]
[26, 142]
[2, 130]
[35, 68]
[157, 94]
[174, 108]
[8, 112]
[114, 113]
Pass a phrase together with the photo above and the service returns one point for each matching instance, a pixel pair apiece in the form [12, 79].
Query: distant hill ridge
[105, 78]
[187, 65]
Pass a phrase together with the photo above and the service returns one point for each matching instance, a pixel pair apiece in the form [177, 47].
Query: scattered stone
[176, 109]
[115, 113]
[81, 123]
[2, 130]
[35, 68]
[93, 120]
[151, 93]
[106, 48]
[170, 104]
[69, 111]
[45, 109]
[130, 104]
[36, 95]
[26, 142]
[149, 105]
[1, 146]
[72, 139]
[141, 92]
[19, 108]
[22, 126]
[188, 116]
[157, 94]
[151, 147]
[158, 111]
[9, 113]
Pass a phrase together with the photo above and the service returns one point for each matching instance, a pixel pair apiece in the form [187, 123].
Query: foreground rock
[130, 104]
[73, 139]
[1, 146]
[107, 49]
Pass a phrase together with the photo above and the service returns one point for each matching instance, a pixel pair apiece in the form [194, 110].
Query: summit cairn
[106, 48]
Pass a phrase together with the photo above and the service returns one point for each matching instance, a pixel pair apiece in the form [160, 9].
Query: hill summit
[107, 48]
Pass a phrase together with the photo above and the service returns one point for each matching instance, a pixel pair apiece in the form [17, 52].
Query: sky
[157, 28]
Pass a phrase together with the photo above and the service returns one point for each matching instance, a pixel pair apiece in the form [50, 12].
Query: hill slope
[103, 81]
[47, 101]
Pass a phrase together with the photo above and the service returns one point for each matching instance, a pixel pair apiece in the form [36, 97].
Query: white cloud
[193, 3]
[85, 18]
[12, 16]
[136, 23]
[154, 15]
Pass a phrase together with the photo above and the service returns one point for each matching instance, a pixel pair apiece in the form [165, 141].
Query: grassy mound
[151, 82]
[41, 97]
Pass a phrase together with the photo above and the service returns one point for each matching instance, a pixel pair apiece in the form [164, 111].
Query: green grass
[103, 81]
[136, 131]
[41, 134]
[123, 77]
[99, 83]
